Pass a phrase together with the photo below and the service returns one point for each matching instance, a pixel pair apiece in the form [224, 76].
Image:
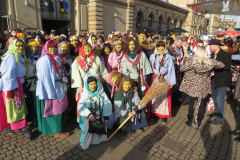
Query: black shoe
[237, 139]
[211, 115]
[216, 122]
[189, 123]
[235, 132]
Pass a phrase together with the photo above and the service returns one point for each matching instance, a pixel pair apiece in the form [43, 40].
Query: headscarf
[90, 41]
[156, 53]
[45, 51]
[61, 51]
[114, 86]
[76, 49]
[81, 62]
[30, 55]
[13, 50]
[87, 93]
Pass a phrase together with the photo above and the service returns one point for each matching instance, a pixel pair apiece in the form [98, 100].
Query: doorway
[56, 25]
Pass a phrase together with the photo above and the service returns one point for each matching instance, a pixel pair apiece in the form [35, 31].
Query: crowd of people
[101, 80]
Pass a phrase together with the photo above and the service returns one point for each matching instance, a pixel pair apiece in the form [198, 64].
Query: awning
[178, 29]
[228, 7]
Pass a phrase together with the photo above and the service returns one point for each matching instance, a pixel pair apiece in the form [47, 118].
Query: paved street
[207, 142]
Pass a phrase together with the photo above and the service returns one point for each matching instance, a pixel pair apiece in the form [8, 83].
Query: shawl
[13, 50]
[61, 52]
[45, 51]
[81, 62]
[114, 87]
[32, 56]
[125, 100]
[90, 41]
[134, 64]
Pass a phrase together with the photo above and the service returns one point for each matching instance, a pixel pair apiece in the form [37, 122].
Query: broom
[157, 89]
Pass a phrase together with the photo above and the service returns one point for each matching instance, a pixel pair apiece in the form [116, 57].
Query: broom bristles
[157, 89]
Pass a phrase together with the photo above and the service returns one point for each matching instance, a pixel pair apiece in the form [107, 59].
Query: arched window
[150, 20]
[159, 22]
[175, 23]
[168, 22]
[180, 24]
[139, 21]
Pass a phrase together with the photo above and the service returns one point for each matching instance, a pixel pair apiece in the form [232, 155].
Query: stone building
[92, 15]
[227, 24]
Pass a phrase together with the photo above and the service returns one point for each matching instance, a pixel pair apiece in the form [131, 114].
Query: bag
[97, 127]
[210, 105]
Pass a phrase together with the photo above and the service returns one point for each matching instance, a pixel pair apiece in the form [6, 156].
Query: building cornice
[166, 5]
[125, 4]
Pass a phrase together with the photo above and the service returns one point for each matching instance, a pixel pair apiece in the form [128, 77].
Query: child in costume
[13, 69]
[106, 50]
[52, 91]
[33, 53]
[162, 64]
[115, 58]
[125, 100]
[113, 81]
[94, 106]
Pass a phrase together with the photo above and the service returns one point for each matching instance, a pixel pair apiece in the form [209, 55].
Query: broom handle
[129, 117]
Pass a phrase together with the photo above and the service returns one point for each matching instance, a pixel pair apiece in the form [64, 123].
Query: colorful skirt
[3, 115]
[49, 125]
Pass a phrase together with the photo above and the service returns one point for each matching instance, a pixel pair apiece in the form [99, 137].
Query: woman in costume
[94, 106]
[51, 91]
[197, 83]
[13, 69]
[93, 40]
[137, 67]
[106, 50]
[162, 64]
[125, 102]
[87, 63]
[115, 58]
[33, 53]
[74, 46]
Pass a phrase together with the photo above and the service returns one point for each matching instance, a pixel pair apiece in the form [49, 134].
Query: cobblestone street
[207, 142]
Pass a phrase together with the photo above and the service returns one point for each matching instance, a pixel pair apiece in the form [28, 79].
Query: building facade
[92, 15]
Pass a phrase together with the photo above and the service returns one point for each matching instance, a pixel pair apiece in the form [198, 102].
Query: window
[150, 20]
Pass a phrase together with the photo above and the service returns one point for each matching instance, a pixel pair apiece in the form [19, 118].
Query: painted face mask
[118, 47]
[64, 48]
[20, 47]
[52, 49]
[92, 86]
[132, 46]
[74, 42]
[34, 49]
[87, 50]
[115, 80]
[160, 49]
[97, 51]
[107, 50]
[142, 37]
[94, 40]
[126, 86]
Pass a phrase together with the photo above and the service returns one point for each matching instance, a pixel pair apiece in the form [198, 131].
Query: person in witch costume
[137, 67]
[147, 48]
[92, 40]
[106, 50]
[52, 91]
[87, 63]
[33, 53]
[13, 68]
[115, 58]
[74, 46]
[125, 102]
[94, 106]
[162, 64]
